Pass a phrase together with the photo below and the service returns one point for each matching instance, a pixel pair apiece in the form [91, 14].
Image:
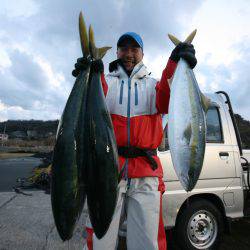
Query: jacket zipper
[128, 107]
[128, 127]
[136, 94]
[121, 92]
[128, 123]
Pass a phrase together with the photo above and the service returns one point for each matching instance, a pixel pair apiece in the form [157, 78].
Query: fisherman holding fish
[136, 102]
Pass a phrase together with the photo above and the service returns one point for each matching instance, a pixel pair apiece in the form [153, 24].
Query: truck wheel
[199, 226]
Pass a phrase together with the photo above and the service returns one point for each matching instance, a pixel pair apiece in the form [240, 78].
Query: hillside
[45, 129]
[29, 128]
[244, 128]
[24, 125]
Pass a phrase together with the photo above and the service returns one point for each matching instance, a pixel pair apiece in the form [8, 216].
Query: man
[136, 102]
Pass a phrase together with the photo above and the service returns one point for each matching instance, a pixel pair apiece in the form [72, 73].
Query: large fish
[187, 123]
[67, 187]
[102, 156]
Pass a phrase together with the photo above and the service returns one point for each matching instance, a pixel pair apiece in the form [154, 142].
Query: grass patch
[6, 155]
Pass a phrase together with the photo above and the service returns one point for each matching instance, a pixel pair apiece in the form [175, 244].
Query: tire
[199, 226]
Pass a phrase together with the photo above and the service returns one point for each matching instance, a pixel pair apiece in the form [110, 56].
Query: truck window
[214, 130]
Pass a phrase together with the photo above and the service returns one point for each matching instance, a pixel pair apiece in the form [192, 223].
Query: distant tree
[42, 127]
[244, 128]
[46, 127]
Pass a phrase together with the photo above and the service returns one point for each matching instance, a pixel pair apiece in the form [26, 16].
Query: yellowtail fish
[186, 123]
[68, 191]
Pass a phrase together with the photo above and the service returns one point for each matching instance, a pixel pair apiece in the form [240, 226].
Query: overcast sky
[39, 44]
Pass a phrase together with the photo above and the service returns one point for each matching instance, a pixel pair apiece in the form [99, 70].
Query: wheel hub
[202, 229]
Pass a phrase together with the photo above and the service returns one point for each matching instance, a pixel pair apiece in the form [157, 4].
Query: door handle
[223, 154]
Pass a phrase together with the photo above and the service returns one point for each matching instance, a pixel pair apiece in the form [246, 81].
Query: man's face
[129, 53]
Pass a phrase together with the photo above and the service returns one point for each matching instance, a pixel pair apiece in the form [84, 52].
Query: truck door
[219, 157]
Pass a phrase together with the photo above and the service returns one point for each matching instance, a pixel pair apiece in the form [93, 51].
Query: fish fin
[175, 40]
[205, 102]
[190, 38]
[188, 132]
[83, 36]
[103, 51]
[96, 53]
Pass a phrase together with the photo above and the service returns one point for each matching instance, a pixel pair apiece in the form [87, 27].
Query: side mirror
[245, 165]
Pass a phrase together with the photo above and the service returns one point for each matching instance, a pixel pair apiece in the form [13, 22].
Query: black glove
[97, 66]
[81, 64]
[185, 51]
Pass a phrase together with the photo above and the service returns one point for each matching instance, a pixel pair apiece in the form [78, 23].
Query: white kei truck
[200, 217]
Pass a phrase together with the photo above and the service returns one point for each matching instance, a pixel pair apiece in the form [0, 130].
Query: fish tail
[83, 36]
[97, 53]
[189, 39]
[175, 40]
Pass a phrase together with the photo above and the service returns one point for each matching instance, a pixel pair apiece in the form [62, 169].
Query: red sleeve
[162, 88]
[104, 84]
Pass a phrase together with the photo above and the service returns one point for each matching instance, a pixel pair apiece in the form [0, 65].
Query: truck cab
[201, 216]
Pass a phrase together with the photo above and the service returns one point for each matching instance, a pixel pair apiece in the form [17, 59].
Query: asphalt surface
[26, 223]
[11, 169]
[42, 223]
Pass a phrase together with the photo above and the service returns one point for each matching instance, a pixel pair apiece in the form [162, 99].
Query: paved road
[11, 169]
[26, 222]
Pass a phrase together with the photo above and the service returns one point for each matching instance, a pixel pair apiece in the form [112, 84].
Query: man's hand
[82, 64]
[185, 51]
[98, 66]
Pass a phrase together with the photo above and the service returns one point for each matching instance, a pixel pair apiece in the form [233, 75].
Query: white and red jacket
[135, 104]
